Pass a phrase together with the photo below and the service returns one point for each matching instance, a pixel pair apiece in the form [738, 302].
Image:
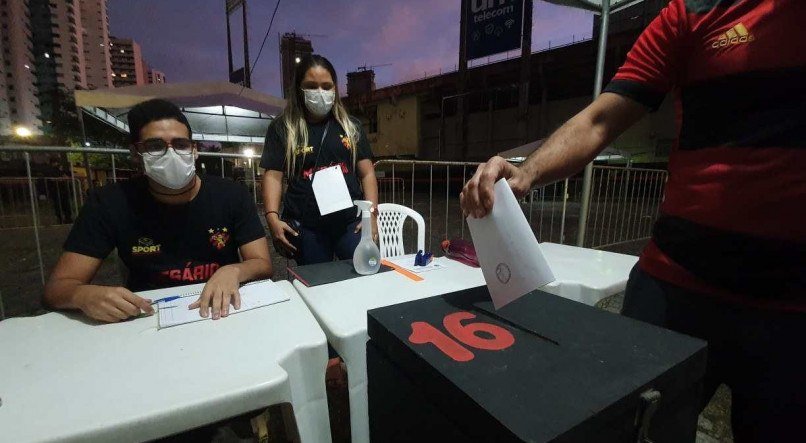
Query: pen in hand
[166, 299]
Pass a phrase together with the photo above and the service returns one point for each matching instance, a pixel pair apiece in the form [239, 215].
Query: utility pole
[587, 177]
[247, 73]
[526, 63]
[461, 110]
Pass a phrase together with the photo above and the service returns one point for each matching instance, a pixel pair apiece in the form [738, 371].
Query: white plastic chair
[390, 228]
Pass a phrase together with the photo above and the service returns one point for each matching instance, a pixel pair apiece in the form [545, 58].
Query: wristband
[266, 214]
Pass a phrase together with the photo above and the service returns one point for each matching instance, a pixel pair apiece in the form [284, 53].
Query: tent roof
[521, 151]
[216, 111]
[519, 154]
[595, 5]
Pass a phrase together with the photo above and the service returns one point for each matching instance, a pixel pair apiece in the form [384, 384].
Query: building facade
[422, 119]
[19, 106]
[49, 48]
[292, 48]
[128, 67]
[97, 47]
[155, 76]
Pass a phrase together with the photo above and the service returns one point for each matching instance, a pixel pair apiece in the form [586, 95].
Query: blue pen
[166, 299]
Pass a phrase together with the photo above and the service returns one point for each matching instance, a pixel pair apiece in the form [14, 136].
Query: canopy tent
[605, 8]
[216, 111]
[519, 154]
[596, 5]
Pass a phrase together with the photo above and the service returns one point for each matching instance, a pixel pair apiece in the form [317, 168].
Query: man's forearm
[580, 139]
[63, 293]
[252, 269]
[565, 152]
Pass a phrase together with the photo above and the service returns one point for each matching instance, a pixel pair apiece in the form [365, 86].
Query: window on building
[372, 117]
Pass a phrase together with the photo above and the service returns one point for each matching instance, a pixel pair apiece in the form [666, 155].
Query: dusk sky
[417, 36]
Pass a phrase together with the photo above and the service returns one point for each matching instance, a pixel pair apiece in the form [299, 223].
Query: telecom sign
[493, 26]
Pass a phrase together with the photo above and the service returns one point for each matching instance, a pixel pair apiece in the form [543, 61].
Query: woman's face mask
[319, 102]
[171, 169]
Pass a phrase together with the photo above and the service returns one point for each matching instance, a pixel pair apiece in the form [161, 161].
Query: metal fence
[624, 202]
[623, 207]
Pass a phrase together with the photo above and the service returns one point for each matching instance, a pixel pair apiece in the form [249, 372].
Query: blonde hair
[293, 116]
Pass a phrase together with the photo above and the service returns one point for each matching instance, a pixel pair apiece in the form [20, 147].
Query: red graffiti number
[422, 333]
[495, 337]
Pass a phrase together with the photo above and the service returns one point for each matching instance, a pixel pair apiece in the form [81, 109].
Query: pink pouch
[460, 250]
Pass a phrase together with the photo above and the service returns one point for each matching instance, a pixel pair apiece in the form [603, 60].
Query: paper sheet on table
[510, 257]
[407, 262]
[253, 295]
[330, 190]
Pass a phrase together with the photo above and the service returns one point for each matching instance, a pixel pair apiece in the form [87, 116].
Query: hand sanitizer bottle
[367, 257]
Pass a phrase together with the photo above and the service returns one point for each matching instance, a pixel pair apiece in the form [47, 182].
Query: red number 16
[422, 332]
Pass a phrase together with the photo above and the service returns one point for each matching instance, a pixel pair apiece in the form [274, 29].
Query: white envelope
[510, 257]
[330, 190]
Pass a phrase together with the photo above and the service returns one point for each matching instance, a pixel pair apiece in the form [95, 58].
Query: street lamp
[22, 131]
[249, 152]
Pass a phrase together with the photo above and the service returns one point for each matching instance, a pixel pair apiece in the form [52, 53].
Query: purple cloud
[417, 36]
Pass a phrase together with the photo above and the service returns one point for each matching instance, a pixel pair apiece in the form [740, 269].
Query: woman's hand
[374, 226]
[280, 230]
[219, 292]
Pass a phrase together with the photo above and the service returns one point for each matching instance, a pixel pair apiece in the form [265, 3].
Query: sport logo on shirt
[303, 150]
[733, 36]
[218, 237]
[145, 246]
[346, 142]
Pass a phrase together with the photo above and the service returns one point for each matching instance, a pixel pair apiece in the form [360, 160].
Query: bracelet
[266, 214]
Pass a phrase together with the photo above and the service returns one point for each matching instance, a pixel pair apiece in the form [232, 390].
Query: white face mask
[171, 170]
[319, 102]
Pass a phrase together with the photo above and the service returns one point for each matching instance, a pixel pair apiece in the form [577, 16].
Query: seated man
[170, 227]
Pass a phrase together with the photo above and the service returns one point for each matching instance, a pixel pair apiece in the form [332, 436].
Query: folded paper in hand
[508, 252]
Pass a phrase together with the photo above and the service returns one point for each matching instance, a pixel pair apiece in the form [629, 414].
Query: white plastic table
[586, 275]
[341, 308]
[68, 379]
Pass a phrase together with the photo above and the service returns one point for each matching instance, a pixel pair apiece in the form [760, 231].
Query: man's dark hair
[151, 111]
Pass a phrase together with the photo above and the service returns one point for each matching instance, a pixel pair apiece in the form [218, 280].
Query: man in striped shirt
[727, 260]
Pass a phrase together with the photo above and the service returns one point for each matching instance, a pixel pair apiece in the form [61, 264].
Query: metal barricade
[624, 202]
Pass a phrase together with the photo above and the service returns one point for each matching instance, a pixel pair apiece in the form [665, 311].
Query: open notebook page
[253, 295]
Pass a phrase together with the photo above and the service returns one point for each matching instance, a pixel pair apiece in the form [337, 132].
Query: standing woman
[315, 132]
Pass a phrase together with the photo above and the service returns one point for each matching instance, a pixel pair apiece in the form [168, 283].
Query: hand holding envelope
[510, 257]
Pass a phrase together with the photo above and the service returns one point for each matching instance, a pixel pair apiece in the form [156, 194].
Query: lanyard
[321, 145]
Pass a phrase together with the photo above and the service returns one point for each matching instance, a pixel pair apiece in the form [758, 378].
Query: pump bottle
[367, 257]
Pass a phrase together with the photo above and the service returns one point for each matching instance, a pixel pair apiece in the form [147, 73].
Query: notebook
[328, 272]
[253, 295]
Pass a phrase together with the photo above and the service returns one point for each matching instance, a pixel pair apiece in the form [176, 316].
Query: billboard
[493, 26]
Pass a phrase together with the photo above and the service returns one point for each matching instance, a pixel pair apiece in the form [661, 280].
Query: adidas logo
[734, 36]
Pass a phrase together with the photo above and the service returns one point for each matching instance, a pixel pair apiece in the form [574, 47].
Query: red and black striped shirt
[733, 220]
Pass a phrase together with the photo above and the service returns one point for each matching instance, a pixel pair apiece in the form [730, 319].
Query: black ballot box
[543, 368]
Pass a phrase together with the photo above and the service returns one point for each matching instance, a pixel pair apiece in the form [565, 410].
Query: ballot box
[543, 368]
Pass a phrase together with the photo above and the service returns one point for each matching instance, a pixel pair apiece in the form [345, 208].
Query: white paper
[253, 295]
[510, 257]
[407, 262]
[330, 190]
